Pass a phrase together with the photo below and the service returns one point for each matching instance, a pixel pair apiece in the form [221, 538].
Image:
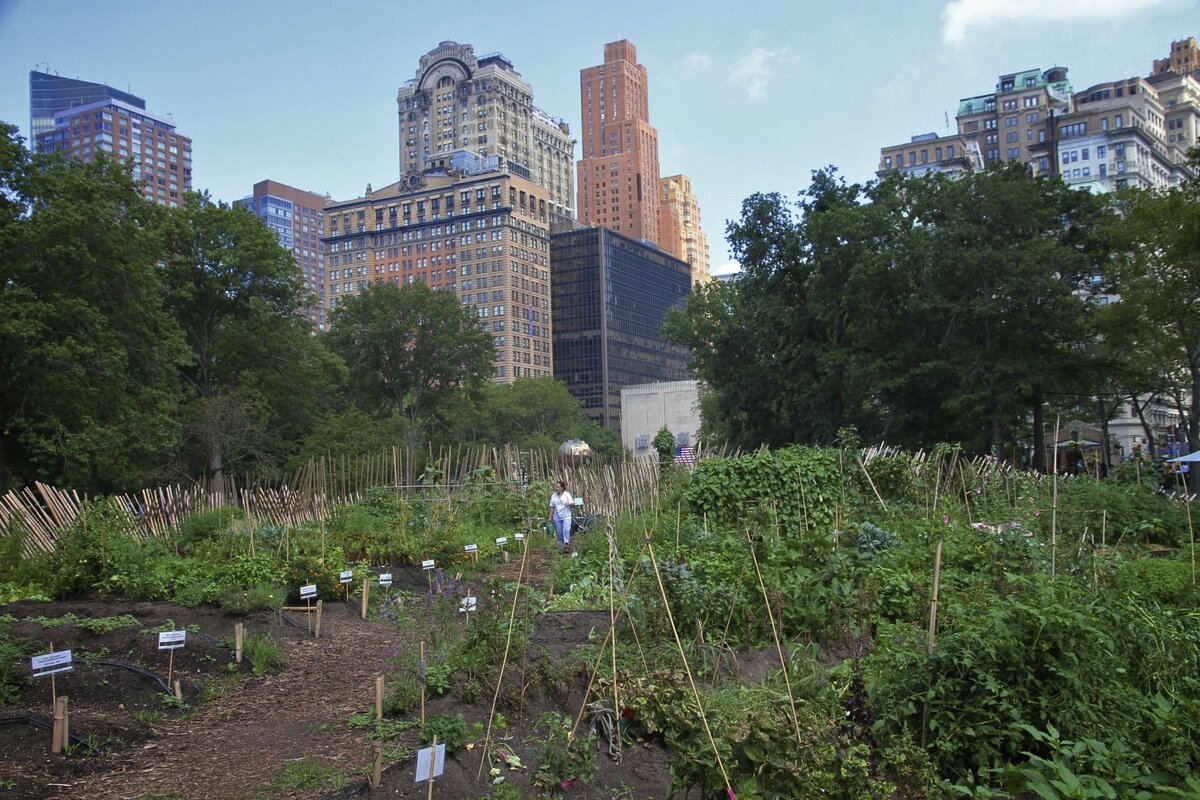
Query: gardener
[561, 504]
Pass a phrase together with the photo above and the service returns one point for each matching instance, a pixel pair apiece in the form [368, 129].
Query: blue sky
[747, 96]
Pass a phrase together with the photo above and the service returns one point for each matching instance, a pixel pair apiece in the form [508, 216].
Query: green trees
[410, 350]
[1158, 278]
[88, 353]
[915, 310]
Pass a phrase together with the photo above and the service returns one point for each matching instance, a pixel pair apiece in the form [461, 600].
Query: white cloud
[755, 70]
[962, 17]
[697, 61]
[727, 268]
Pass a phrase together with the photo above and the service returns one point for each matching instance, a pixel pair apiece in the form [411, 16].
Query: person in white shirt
[561, 506]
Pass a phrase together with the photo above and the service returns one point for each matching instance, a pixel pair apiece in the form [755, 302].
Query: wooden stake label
[468, 604]
[172, 640]
[427, 564]
[385, 579]
[346, 576]
[470, 548]
[52, 663]
[520, 537]
[503, 540]
[308, 592]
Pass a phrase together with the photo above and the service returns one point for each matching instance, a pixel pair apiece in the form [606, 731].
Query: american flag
[685, 455]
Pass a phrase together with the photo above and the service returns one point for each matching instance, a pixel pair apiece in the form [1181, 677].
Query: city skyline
[746, 99]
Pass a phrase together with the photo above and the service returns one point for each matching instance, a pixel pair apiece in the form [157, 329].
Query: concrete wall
[647, 407]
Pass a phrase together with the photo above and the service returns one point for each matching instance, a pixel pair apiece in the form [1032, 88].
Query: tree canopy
[915, 310]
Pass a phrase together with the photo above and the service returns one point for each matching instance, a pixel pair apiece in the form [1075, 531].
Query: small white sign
[503, 540]
[468, 603]
[579, 502]
[308, 592]
[52, 663]
[520, 537]
[385, 579]
[346, 576]
[427, 564]
[171, 640]
[424, 758]
[470, 548]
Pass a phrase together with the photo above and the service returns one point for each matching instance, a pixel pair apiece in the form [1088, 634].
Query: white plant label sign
[470, 548]
[346, 576]
[427, 564]
[429, 765]
[308, 592]
[52, 663]
[468, 603]
[171, 640]
[503, 540]
[385, 579]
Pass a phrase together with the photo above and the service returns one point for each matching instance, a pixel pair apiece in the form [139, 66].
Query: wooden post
[239, 636]
[422, 682]
[170, 663]
[317, 627]
[365, 593]
[432, 764]
[377, 766]
[937, 579]
[178, 691]
[60, 716]
[378, 697]
[66, 736]
[308, 614]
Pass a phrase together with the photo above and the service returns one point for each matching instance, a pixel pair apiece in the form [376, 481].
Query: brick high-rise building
[473, 228]
[159, 157]
[297, 219]
[679, 228]
[460, 102]
[618, 176]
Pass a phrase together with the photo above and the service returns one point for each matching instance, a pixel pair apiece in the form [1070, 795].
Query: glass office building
[51, 94]
[610, 295]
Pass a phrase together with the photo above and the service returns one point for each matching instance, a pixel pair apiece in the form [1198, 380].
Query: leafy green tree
[664, 445]
[915, 310]
[257, 379]
[88, 354]
[410, 349]
[1158, 278]
[531, 413]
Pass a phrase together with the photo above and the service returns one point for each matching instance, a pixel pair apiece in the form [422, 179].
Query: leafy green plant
[452, 731]
[90, 624]
[13, 677]
[562, 760]
[264, 653]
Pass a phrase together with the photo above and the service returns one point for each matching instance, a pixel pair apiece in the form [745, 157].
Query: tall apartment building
[297, 218]
[1130, 133]
[618, 176]
[460, 102]
[679, 228]
[159, 156]
[928, 152]
[474, 228]
[1183, 59]
[611, 296]
[49, 95]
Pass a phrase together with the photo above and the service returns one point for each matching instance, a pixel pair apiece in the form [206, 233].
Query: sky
[747, 96]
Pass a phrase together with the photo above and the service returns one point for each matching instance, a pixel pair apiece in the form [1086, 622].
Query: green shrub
[13, 668]
[208, 525]
[452, 731]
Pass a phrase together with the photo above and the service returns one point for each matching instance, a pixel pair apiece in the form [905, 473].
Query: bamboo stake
[432, 763]
[239, 633]
[787, 681]
[366, 590]
[378, 697]
[1054, 506]
[512, 616]
[317, 627]
[422, 682]
[377, 766]
[60, 715]
[687, 669]
[937, 579]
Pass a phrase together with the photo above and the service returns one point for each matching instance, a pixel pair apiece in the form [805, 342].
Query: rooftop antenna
[947, 113]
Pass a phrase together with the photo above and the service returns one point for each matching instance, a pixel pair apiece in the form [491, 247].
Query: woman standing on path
[561, 505]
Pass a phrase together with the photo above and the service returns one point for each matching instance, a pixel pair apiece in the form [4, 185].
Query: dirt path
[237, 745]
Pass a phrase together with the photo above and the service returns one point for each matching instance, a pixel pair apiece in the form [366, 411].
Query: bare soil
[240, 733]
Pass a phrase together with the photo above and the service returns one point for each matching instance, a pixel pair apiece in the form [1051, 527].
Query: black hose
[154, 676]
[45, 723]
